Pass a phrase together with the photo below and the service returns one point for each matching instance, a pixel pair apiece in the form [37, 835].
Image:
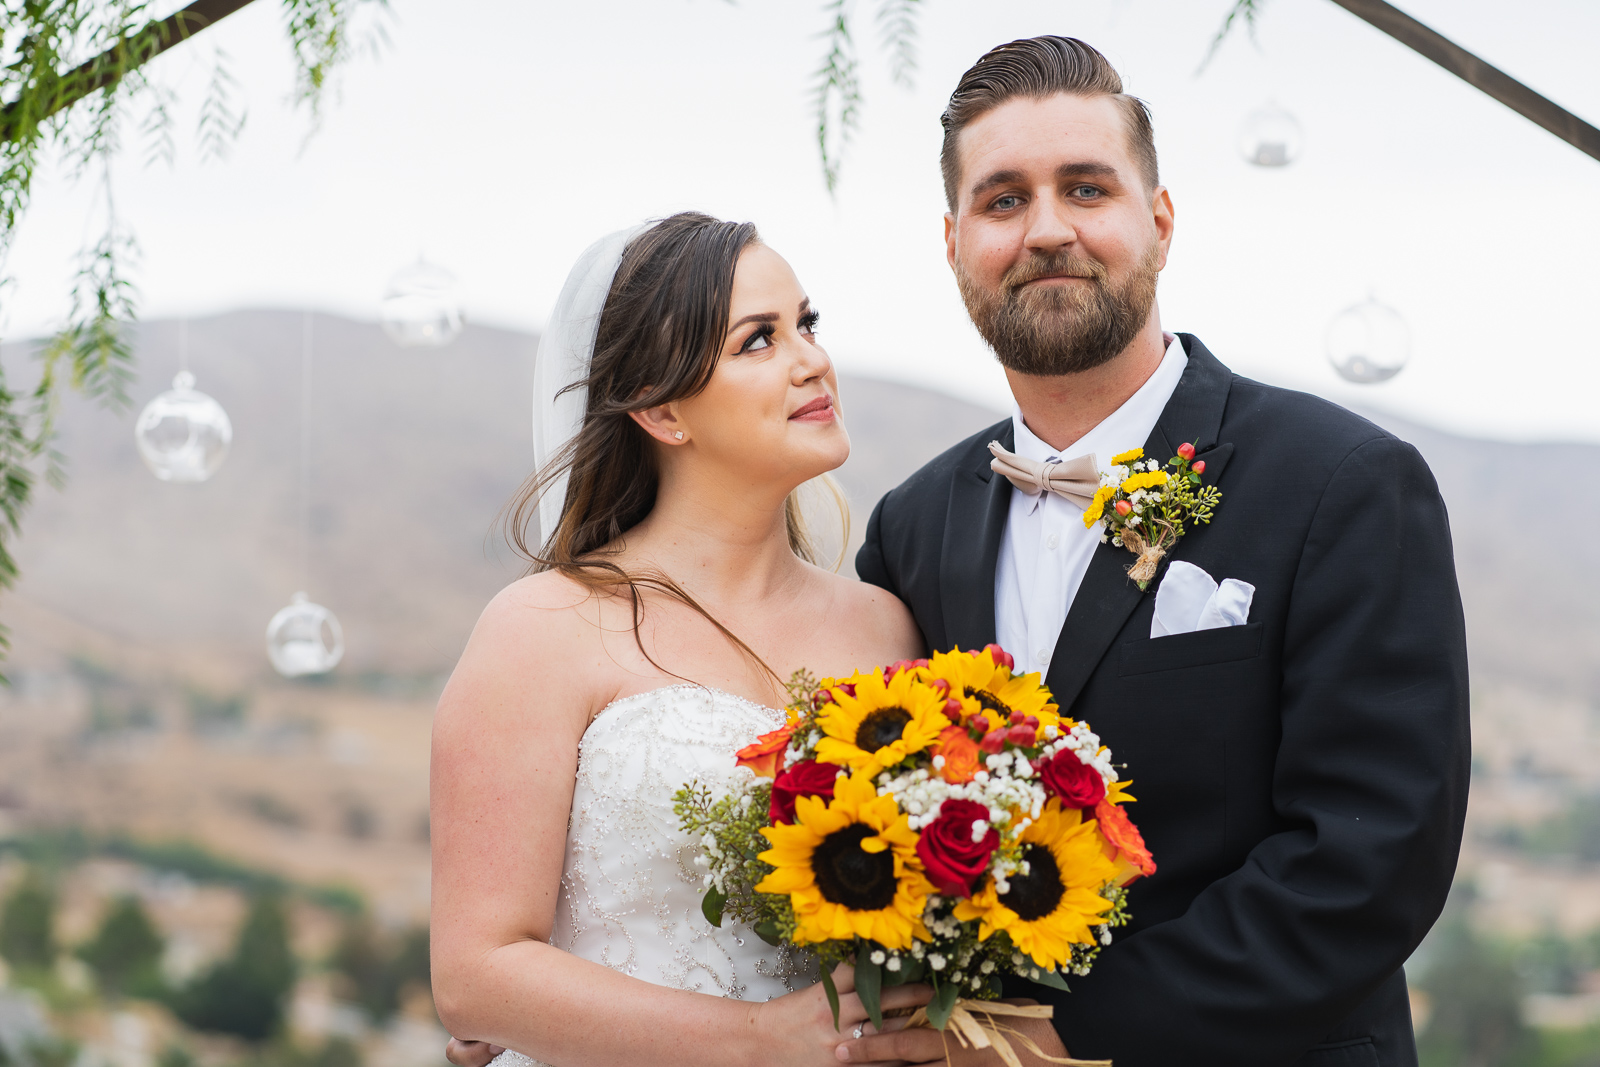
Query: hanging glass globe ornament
[420, 307]
[1270, 137]
[1368, 342]
[304, 638]
[183, 434]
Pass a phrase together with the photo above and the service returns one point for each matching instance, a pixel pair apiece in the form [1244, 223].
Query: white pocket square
[1189, 599]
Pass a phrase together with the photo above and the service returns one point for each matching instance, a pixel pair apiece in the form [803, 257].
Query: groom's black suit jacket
[1302, 779]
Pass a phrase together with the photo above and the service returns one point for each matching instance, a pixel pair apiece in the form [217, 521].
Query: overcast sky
[502, 136]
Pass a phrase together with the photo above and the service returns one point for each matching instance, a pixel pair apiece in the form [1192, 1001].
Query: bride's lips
[819, 410]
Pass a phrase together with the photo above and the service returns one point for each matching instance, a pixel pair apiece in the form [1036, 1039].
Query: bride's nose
[810, 363]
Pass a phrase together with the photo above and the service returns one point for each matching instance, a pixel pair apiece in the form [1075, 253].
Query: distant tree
[27, 925]
[125, 953]
[246, 994]
[376, 970]
[1476, 994]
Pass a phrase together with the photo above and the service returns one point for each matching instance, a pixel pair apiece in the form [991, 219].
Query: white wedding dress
[630, 890]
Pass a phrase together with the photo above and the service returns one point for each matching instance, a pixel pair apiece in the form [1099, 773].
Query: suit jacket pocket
[1358, 1053]
[1222, 645]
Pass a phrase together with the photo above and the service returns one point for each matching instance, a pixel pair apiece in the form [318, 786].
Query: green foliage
[125, 953]
[245, 994]
[1572, 835]
[1248, 11]
[377, 970]
[1476, 995]
[51, 1052]
[27, 925]
[337, 1052]
[836, 85]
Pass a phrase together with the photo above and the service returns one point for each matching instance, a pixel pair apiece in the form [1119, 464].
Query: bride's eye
[762, 338]
[808, 323]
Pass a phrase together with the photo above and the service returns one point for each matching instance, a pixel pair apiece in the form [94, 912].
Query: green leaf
[711, 905]
[911, 970]
[833, 993]
[1052, 979]
[1193, 477]
[767, 930]
[869, 981]
[945, 995]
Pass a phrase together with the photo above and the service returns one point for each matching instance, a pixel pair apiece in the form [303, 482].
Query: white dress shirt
[1046, 548]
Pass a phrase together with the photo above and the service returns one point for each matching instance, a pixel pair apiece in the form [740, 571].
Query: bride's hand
[470, 1053]
[798, 1028]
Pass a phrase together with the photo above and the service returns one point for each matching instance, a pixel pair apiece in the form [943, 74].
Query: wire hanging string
[305, 455]
[183, 343]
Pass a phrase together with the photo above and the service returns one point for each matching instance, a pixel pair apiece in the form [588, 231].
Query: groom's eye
[762, 338]
[1006, 203]
[1085, 192]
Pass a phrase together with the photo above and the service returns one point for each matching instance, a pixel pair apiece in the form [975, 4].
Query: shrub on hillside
[125, 953]
[247, 993]
[27, 925]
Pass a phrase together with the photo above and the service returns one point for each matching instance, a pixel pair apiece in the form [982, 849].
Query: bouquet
[933, 821]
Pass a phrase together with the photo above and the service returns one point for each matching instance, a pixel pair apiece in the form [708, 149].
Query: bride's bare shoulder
[878, 615]
[535, 636]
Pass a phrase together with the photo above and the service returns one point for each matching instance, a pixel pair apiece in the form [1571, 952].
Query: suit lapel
[974, 524]
[1107, 596]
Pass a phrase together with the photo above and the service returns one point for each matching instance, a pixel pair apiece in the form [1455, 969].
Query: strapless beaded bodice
[630, 889]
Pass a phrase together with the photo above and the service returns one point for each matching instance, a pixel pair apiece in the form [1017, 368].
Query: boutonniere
[1145, 508]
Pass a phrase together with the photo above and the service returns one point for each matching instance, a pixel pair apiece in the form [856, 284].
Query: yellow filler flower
[1132, 455]
[1097, 506]
[882, 723]
[1148, 480]
[1053, 906]
[849, 868]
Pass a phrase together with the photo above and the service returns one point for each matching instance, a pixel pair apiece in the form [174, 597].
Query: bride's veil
[565, 351]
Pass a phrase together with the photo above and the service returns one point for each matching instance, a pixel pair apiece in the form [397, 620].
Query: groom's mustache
[1056, 266]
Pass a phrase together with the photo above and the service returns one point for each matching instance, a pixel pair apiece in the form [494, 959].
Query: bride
[683, 399]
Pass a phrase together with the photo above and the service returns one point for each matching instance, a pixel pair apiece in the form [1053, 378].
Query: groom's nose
[1049, 226]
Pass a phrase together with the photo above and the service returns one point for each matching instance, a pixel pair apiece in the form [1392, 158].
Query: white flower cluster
[1007, 786]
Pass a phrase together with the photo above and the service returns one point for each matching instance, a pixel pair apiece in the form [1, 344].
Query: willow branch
[112, 65]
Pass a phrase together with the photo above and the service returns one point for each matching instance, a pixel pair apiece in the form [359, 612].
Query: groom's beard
[1050, 330]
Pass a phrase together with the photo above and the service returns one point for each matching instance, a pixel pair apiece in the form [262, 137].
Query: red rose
[953, 860]
[808, 778]
[1074, 781]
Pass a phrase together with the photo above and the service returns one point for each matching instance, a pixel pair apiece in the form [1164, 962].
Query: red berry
[1124, 508]
[1199, 468]
[1186, 450]
[1015, 718]
[993, 741]
[1021, 734]
[1001, 657]
[1031, 720]
[979, 723]
[952, 710]
[942, 686]
[849, 689]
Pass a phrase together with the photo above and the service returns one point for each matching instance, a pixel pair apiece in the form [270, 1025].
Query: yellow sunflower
[882, 723]
[990, 689]
[849, 866]
[1053, 906]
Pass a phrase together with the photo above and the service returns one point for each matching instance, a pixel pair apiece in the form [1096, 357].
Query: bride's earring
[678, 435]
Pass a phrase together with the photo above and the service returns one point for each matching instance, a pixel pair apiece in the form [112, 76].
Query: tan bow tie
[1074, 479]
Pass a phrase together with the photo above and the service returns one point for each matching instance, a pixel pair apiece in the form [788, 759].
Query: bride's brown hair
[659, 340]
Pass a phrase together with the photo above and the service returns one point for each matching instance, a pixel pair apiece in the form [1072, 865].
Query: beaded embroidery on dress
[630, 890]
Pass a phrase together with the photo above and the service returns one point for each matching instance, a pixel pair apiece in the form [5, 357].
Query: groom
[1302, 774]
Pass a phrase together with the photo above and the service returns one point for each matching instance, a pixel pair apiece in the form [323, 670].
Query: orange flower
[1133, 857]
[765, 756]
[962, 759]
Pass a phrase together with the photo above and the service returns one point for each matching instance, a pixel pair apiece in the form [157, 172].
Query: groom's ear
[950, 239]
[662, 423]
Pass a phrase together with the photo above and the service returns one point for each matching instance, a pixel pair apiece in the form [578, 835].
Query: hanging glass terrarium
[1270, 137]
[1368, 342]
[421, 308]
[183, 435]
[304, 638]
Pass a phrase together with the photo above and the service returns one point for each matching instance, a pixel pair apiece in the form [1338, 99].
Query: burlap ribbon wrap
[975, 1026]
[1150, 555]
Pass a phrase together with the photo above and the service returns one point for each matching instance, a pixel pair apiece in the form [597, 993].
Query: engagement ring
[857, 1033]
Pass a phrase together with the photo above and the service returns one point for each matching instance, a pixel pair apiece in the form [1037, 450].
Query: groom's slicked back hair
[1035, 68]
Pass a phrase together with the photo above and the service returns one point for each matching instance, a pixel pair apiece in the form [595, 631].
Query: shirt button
[1043, 656]
[1051, 542]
